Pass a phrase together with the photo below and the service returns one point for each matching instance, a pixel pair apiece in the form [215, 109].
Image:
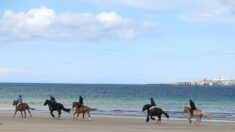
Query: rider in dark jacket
[152, 102]
[52, 99]
[193, 107]
[81, 100]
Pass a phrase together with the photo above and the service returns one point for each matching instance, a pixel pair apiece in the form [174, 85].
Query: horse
[55, 106]
[154, 112]
[198, 113]
[79, 108]
[22, 107]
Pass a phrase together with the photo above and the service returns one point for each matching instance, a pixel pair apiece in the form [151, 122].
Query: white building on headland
[216, 82]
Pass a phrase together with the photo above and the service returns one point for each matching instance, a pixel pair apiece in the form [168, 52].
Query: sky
[118, 41]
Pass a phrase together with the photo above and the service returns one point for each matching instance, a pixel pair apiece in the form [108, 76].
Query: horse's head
[146, 107]
[15, 102]
[187, 109]
[47, 102]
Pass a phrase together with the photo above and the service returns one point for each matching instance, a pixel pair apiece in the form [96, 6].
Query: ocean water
[124, 100]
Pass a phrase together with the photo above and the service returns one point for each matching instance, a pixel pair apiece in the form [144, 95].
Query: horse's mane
[188, 106]
[147, 105]
[48, 100]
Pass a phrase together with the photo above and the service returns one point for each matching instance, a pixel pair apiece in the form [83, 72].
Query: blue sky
[118, 41]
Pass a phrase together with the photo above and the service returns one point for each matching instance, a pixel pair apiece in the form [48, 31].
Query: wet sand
[44, 123]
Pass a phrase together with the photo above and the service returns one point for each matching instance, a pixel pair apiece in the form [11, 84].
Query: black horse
[154, 112]
[55, 106]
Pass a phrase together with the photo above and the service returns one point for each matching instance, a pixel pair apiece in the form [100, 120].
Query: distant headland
[205, 82]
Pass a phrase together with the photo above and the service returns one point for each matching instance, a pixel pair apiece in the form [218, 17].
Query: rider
[20, 99]
[153, 104]
[52, 99]
[81, 100]
[193, 107]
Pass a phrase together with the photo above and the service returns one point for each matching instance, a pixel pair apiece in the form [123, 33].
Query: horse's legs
[21, 114]
[83, 115]
[196, 120]
[147, 119]
[52, 114]
[189, 119]
[200, 119]
[159, 118]
[30, 113]
[89, 115]
[74, 115]
[152, 117]
[59, 113]
[77, 115]
[15, 113]
[24, 114]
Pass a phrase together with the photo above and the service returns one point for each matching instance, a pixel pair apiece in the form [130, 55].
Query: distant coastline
[205, 82]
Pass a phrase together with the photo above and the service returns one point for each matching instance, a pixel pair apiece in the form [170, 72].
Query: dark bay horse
[154, 112]
[55, 106]
[79, 108]
[22, 108]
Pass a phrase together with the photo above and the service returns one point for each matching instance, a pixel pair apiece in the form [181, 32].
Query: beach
[119, 108]
[44, 123]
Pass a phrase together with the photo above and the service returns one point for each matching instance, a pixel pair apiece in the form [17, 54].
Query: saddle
[152, 107]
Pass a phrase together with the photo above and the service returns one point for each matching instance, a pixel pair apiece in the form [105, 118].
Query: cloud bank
[45, 23]
[192, 10]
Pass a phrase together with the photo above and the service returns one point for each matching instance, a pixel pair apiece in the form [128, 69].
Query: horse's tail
[32, 108]
[65, 109]
[93, 109]
[28, 107]
[208, 115]
[166, 114]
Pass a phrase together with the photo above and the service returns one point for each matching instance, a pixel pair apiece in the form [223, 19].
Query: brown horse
[22, 108]
[198, 113]
[79, 108]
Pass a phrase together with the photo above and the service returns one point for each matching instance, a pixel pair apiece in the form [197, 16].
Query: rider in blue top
[20, 99]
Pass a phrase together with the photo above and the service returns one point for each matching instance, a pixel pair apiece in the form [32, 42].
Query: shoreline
[70, 115]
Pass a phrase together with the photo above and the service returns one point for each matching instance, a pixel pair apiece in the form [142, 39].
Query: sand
[44, 123]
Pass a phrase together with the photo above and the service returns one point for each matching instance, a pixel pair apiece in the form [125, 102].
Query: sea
[124, 100]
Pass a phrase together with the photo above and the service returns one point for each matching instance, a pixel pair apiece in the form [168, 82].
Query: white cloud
[6, 71]
[25, 25]
[45, 23]
[193, 10]
[217, 11]
[110, 19]
[144, 4]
